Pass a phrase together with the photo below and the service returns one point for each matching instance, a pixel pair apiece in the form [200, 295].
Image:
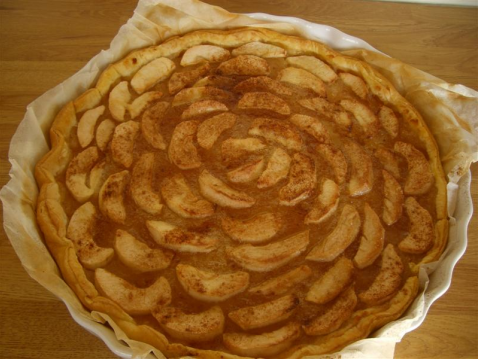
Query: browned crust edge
[56, 161]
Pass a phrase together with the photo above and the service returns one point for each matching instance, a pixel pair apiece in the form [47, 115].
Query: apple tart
[242, 193]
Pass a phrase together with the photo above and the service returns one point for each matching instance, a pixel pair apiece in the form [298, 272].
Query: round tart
[242, 193]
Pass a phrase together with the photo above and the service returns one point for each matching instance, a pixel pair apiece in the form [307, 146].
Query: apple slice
[77, 173]
[104, 133]
[197, 328]
[372, 240]
[152, 73]
[283, 283]
[181, 200]
[204, 53]
[361, 179]
[328, 110]
[422, 231]
[182, 151]
[80, 232]
[325, 204]
[315, 66]
[389, 121]
[393, 199]
[263, 102]
[335, 159]
[277, 169]
[218, 192]
[203, 108]
[248, 172]
[334, 316]
[264, 314]
[150, 123]
[263, 83]
[139, 256]
[355, 83]
[332, 283]
[277, 131]
[244, 65]
[180, 240]
[312, 126]
[111, 197]
[208, 286]
[141, 185]
[118, 101]
[86, 125]
[262, 345]
[235, 148]
[142, 102]
[180, 80]
[210, 129]
[257, 229]
[363, 114]
[420, 178]
[342, 236]
[302, 181]
[134, 300]
[122, 144]
[389, 161]
[304, 79]
[269, 257]
[388, 280]
[194, 94]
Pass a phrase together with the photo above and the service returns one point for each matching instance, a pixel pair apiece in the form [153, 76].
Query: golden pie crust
[330, 141]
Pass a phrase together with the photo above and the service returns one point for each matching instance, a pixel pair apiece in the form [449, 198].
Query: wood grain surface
[44, 42]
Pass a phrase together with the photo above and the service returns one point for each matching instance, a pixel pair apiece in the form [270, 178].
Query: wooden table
[44, 42]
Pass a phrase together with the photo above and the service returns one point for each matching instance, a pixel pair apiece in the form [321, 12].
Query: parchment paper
[453, 120]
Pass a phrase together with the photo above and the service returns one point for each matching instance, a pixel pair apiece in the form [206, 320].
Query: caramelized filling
[267, 200]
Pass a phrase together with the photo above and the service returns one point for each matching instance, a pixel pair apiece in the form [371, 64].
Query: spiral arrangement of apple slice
[210, 153]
